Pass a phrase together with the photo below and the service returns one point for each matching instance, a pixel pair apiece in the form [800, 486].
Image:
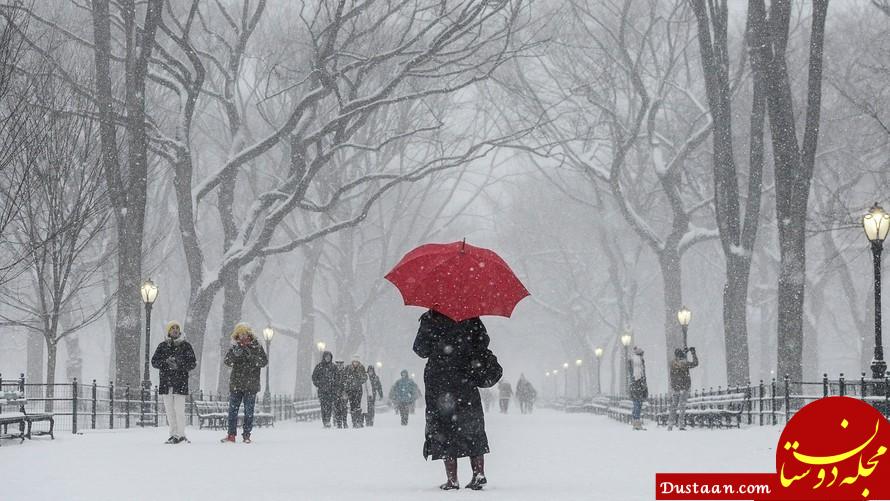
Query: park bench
[718, 410]
[15, 414]
[215, 415]
[307, 410]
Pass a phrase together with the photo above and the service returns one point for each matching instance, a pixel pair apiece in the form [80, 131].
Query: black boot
[451, 475]
[478, 465]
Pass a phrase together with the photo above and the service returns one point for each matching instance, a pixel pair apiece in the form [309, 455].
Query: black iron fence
[765, 403]
[79, 406]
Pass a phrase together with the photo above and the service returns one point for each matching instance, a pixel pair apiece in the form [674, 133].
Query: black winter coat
[455, 422]
[376, 387]
[177, 375]
[354, 378]
[246, 364]
[324, 377]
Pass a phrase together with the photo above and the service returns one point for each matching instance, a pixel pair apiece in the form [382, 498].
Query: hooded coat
[174, 376]
[455, 422]
[246, 363]
[324, 376]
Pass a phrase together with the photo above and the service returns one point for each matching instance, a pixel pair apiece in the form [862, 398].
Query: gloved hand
[171, 363]
[237, 350]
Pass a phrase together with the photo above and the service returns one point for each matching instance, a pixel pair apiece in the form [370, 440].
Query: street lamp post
[268, 333]
[565, 382]
[578, 365]
[876, 225]
[599, 362]
[149, 292]
[625, 341]
[684, 316]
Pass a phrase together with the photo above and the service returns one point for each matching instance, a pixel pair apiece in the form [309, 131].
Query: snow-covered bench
[711, 410]
[307, 410]
[15, 413]
[215, 414]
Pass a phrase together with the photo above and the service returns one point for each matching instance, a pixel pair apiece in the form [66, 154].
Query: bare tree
[58, 227]
[794, 162]
[738, 230]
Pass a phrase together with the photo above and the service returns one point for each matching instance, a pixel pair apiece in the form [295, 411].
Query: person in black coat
[355, 378]
[324, 377]
[458, 363]
[174, 357]
[246, 358]
[340, 398]
[375, 390]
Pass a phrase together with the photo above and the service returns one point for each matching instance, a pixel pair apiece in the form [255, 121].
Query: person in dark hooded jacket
[246, 357]
[458, 363]
[324, 377]
[375, 390]
[174, 357]
[355, 377]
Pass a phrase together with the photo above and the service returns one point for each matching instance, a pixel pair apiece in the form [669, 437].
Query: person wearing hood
[324, 377]
[355, 378]
[374, 389]
[526, 395]
[403, 394]
[174, 358]
[246, 357]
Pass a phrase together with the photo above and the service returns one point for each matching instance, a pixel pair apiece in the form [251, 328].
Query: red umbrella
[458, 280]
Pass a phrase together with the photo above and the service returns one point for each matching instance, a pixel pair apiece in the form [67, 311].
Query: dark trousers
[327, 406]
[340, 412]
[355, 408]
[369, 416]
[235, 400]
[505, 404]
[404, 408]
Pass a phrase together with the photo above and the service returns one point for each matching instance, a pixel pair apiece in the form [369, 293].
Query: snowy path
[545, 456]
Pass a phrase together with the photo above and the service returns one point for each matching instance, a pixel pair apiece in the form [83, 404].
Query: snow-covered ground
[545, 456]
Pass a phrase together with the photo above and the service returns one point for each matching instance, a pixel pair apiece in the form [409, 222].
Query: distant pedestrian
[246, 357]
[505, 393]
[639, 389]
[341, 401]
[526, 395]
[487, 398]
[324, 377]
[403, 394]
[174, 357]
[680, 384]
[355, 378]
[458, 364]
[375, 389]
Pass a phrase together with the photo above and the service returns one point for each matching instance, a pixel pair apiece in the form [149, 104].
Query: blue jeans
[638, 409]
[235, 399]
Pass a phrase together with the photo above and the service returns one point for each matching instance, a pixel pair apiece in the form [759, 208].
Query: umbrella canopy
[457, 280]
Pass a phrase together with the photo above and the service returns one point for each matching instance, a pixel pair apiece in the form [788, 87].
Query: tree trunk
[735, 324]
[196, 325]
[233, 306]
[50, 374]
[669, 261]
[306, 342]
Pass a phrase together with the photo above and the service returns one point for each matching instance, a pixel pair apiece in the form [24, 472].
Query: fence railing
[765, 403]
[79, 406]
